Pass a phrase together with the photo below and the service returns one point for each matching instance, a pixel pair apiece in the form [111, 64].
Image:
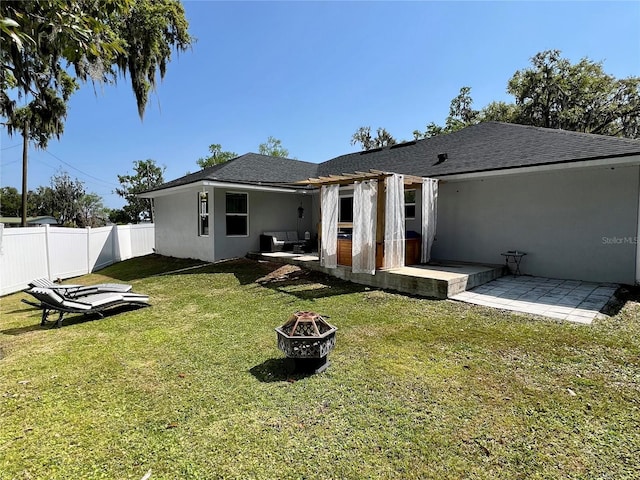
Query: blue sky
[311, 73]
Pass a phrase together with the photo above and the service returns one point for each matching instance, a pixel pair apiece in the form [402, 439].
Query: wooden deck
[436, 280]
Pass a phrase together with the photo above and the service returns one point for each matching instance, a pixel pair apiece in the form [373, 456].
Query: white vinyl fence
[57, 252]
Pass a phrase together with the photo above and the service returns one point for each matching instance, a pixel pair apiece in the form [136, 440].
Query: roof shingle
[479, 148]
[484, 147]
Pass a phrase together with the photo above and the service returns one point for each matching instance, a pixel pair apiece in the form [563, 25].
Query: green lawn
[195, 387]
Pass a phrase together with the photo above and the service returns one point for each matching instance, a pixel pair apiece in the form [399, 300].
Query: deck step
[442, 280]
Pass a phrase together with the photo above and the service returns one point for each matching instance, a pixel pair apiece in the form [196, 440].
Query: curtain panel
[329, 240]
[363, 242]
[429, 216]
[394, 235]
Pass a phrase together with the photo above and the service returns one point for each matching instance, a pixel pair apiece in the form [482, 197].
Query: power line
[12, 146]
[9, 163]
[78, 170]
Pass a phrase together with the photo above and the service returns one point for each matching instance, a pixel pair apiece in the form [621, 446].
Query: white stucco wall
[268, 211]
[176, 219]
[573, 223]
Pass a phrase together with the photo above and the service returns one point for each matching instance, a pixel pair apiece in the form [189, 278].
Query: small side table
[513, 257]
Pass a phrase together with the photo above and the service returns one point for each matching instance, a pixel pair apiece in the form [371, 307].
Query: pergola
[346, 179]
[350, 178]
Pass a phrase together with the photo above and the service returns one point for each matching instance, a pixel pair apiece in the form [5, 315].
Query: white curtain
[329, 240]
[363, 245]
[429, 216]
[394, 222]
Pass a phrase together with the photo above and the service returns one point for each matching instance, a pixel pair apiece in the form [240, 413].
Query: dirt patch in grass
[283, 273]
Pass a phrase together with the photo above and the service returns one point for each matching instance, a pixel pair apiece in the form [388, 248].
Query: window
[237, 213]
[345, 210]
[409, 204]
[203, 210]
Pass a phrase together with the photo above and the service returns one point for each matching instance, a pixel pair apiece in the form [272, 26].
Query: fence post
[88, 229]
[116, 245]
[46, 250]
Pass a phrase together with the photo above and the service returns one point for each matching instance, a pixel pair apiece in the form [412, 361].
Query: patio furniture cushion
[71, 290]
[51, 300]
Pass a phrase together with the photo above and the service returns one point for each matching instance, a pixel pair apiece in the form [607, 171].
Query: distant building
[31, 221]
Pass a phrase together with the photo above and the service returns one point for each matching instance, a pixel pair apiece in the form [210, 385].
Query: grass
[194, 387]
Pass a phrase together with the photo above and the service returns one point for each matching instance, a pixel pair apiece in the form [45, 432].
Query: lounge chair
[51, 300]
[69, 290]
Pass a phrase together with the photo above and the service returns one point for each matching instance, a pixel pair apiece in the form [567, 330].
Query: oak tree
[147, 175]
[217, 156]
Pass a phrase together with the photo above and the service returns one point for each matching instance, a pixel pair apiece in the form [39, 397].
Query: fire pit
[307, 338]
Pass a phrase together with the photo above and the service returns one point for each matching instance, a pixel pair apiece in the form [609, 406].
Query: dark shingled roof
[479, 148]
[250, 168]
[484, 147]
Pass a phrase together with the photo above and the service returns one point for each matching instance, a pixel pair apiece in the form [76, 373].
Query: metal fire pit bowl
[307, 338]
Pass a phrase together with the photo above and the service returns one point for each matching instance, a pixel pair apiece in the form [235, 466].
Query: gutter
[606, 161]
[218, 184]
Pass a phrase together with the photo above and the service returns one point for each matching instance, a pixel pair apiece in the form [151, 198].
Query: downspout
[638, 233]
[212, 223]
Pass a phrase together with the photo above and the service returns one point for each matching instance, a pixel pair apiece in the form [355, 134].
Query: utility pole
[25, 148]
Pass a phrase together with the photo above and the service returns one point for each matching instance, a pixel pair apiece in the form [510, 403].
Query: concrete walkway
[570, 300]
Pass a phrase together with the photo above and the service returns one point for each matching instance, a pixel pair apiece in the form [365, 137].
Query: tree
[118, 216]
[363, 137]
[50, 46]
[40, 201]
[554, 93]
[461, 115]
[10, 203]
[99, 40]
[66, 195]
[273, 147]
[499, 112]
[147, 175]
[580, 97]
[217, 156]
[91, 211]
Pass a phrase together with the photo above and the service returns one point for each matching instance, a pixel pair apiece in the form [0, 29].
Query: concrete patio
[570, 300]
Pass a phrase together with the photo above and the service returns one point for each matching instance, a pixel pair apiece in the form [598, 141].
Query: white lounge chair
[51, 301]
[70, 290]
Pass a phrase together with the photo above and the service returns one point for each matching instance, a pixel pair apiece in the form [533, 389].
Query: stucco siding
[268, 211]
[176, 220]
[575, 223]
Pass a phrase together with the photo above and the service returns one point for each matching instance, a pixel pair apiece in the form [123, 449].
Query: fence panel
[23, 257]
[57, 252]
[101, 247]
[142, 239]
[67, 252]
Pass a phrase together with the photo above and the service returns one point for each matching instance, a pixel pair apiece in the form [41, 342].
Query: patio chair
[52, 301]
[70, 290]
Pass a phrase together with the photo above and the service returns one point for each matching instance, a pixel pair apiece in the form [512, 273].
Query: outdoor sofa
[55, 301]
[279, 241]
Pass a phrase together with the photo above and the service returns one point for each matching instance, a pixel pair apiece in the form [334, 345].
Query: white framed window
[409, 204]
[345, 209]
[237, 214]
[203, 214]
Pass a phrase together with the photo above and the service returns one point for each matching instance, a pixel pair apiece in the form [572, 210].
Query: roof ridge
[558, 131]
